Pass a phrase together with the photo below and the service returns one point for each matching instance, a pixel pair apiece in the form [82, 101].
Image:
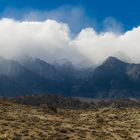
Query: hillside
[22, 122]
[64, 102]
[112, 79]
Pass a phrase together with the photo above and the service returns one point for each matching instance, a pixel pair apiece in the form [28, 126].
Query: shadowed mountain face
[113, 79]
[42, 68]
[16, 79]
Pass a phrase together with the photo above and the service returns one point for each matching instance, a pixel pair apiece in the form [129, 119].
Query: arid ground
[21, 122]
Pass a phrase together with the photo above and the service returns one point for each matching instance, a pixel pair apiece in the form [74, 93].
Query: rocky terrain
[25, 122]
[110, 80]
[65, 102]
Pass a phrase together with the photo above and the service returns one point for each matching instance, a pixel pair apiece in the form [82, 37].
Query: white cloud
[97, 47]
[48, 39]
[51, 40]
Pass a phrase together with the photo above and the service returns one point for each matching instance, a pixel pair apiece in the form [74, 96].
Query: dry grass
[19, 122]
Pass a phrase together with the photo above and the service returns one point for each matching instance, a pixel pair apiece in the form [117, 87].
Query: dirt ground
[20, 122]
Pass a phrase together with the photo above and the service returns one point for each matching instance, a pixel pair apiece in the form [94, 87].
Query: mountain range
[112, 79]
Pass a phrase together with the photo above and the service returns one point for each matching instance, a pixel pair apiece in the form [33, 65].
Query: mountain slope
[65, 74]
[42, 68]
[113, 79]
[16, 79]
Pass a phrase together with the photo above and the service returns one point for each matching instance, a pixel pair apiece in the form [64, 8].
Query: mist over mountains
[52, 41]
[112, 79]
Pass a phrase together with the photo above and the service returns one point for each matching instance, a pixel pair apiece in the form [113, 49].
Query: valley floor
[20, 122]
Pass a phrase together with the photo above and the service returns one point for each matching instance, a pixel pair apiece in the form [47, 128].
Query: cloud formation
[72, 15]
[51, 40]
